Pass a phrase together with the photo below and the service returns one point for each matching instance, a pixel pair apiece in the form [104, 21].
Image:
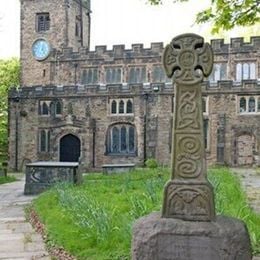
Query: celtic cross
[188, 195]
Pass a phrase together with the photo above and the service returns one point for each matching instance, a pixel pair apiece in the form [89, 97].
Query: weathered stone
[156, 238]
[188, 195]
[42, 175]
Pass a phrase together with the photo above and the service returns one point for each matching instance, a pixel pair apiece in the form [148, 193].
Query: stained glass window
[121, 107]
[251, 104]
[113, 107]
[129, 107]
[242, 105]
[121, 139]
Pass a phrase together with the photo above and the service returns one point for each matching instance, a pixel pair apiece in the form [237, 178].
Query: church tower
[47, 26]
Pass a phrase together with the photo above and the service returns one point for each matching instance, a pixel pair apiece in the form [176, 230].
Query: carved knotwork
[188, 59]
[188, 196]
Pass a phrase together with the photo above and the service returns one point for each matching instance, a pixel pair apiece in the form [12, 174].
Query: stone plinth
[156, 238]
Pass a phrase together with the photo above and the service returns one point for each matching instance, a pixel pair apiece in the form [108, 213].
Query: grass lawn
[7, 179]
[94, 220]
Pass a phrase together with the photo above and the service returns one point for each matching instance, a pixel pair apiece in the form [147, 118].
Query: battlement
[127, 89]
[117, 51]
[236, 45]
[156, 49]
[90, 90]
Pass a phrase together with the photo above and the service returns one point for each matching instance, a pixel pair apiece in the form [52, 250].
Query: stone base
[156, 238]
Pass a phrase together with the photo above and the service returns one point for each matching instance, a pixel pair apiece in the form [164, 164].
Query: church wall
[87, 106]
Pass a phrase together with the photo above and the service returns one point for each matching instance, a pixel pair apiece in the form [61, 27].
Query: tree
[9, 77]
[226, 14]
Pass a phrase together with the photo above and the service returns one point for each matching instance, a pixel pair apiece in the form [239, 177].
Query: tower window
[42, 22]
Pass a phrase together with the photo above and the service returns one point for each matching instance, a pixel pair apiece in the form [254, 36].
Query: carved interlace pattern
[188, 110]
[188, 59]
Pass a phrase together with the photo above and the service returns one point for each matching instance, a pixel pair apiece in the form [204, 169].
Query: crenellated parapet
[117, 51]
[236, 45]
[155, 50]
[90, 90]
[127, 89]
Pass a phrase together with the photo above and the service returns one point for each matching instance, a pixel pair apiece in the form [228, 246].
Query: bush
[151, 163]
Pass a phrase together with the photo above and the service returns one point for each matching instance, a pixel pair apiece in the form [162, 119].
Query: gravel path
[250, 179]
[18, 240]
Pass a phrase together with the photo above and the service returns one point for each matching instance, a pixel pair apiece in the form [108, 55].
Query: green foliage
[9, 77]
[151, 163]
[7, 179]
[226, 14]
[94, 220]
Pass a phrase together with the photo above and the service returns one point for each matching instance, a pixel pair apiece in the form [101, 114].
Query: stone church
[116, 106]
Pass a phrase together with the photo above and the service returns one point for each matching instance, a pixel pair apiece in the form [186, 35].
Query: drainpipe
[66, 30]
[145, 125]
[81, 23]
[16, 100]
[75, 73]
[93, 126]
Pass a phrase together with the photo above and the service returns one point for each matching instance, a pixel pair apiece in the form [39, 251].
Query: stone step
[24, 256]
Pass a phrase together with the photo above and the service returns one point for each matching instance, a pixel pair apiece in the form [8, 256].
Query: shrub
[151, 163]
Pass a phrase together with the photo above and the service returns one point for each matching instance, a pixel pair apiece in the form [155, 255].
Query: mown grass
[7, 179]
[94, 221]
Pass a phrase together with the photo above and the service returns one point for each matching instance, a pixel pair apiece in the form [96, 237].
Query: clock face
[40, 49]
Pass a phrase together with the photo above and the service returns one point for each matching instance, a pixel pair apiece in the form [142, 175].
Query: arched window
[242, 105]
[45, 109]
[58, 108]
[52, 108]
[121, 139]
[251, 104]
[115, 140]
[131, 139]
[129, 107]
[113, 107]
[121, 107]
[44, 141]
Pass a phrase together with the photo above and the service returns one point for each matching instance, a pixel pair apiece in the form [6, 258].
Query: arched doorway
[69, 148]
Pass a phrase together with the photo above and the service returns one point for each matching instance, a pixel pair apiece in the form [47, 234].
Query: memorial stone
[187, 228]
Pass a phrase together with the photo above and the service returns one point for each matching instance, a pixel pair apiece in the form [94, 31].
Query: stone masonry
[86, 83]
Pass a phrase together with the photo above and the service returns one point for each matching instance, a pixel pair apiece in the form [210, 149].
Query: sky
[117, 22]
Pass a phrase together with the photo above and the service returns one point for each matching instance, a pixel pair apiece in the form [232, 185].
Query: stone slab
[156, 238]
